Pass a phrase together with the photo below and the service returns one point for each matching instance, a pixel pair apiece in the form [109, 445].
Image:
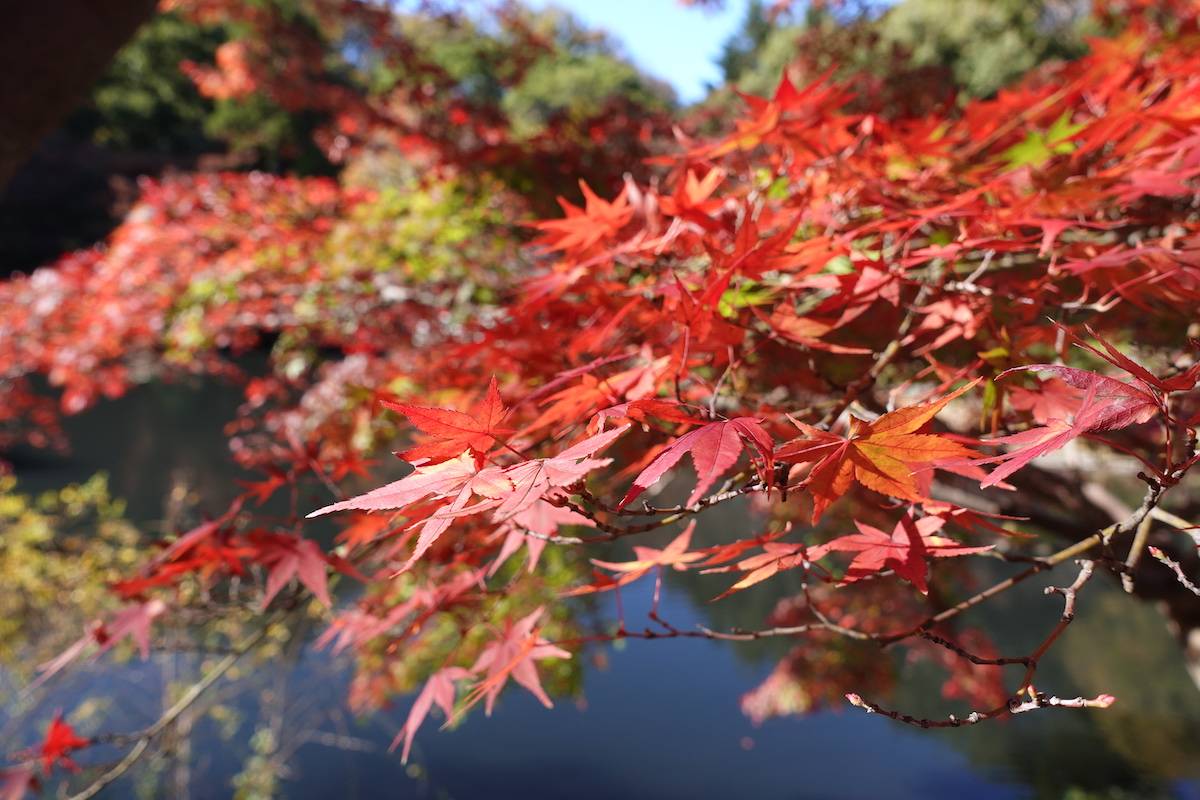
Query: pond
[655, 719]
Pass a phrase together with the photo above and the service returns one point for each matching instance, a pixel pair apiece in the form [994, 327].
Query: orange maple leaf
[881, 455]
[583, 228]
[674, 555]
[451, 432]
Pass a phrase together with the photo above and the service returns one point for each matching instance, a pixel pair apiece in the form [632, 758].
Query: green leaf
[1038, 147]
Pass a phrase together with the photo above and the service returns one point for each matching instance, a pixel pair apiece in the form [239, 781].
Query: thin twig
[173, 713]
[1015, 704]
[1177, 569]
[1135, 552]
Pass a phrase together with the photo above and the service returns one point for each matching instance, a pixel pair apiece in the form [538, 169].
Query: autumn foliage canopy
[887, 337]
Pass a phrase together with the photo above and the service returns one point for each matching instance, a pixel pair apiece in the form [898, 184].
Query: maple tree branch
[962, 652]
[193, 693]
[703, 632]
[1069, 593]
[1009, 709]
[733, 364]
[1152, 498]
[1135, 552]
[611, 532]
[1014, 704]
[1175, 567]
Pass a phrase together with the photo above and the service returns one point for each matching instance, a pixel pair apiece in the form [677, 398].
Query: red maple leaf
[714, 448]
[439, 690]
[57, 745]
[776, 557]
[132, 622]
[1052, 399]
[542, 518]
[451, 432]
[262, 490]
[288, 557]
[509, 490]
[1108, 404]
[1183, 382]
[808, 331]
[905, 550]
[581, 229]
[513, 656]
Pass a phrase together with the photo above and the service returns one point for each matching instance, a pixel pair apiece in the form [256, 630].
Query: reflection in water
[642, 719]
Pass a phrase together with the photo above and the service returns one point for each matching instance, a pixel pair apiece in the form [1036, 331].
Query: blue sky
[664, 38]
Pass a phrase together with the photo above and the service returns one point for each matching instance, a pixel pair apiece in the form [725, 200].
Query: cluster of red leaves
[89, 320]
[213, 551]
[779, 279]
[779, 272]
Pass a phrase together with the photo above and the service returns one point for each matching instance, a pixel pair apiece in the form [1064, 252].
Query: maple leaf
[534, 479]
[543, 519]
[221, 551]
[768, 114]
[951, 319]
[201, 533]
[714, 448]
[854, 293]
[640, 410]
[882, 455]
[513, 656]
[808, 332]
[364, 529]
[456, 480]
[905, 550]
[262, 491]
[438, 690]
[1107, 404]
[439, 480]
[776, 557]
[693, 198]
[451, 431]
[510, 490]
[288, 557]
[701, 314]
[1145, 378]
[1053, 399]
[753, 254]
[723, 553]
[674, 555]
[592, 393]
[581, 229]
[60, 740]
[132, 622]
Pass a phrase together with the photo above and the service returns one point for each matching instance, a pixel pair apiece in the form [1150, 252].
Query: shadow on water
[656, 719]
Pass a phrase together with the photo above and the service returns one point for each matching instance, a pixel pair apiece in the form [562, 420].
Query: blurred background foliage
[977, 45]
[539, 75]
[59, 553]
[145, 102]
